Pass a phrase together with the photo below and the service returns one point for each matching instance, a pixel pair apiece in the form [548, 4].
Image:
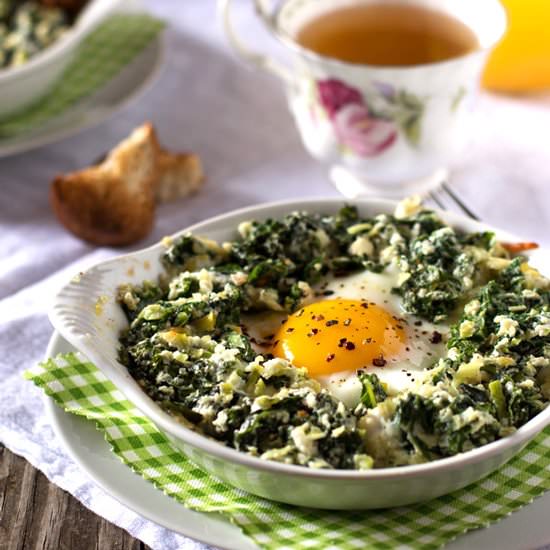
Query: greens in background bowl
[87, 314]
[27, 28]
[37, 44]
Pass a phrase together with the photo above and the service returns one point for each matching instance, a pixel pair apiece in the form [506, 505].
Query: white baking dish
[85, 312]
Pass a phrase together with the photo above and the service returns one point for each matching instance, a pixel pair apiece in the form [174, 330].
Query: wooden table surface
[36, 514]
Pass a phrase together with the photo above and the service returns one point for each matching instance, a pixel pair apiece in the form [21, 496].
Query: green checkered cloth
[101, 56]
[80, 388]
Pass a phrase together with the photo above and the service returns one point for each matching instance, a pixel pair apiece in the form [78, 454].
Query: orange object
[519, 247]
[521, 62]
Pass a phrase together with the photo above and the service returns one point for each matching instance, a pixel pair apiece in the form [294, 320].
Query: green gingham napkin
[80, 388]
[100, 57]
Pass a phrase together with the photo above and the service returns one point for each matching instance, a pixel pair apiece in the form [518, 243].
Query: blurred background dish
[122, 89]
[28, 28]
[38, 45]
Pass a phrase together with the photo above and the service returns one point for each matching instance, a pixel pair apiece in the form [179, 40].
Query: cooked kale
[133, 299]
[278, 427]
[213, 386]
[508, 299]
[439, 273]
[180, 306]
[491, 381]
[441, 427]
[190, 253]
[279, 254]
[373, 392]
[298, 248]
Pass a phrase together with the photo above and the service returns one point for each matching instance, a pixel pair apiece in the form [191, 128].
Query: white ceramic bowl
[86, 314]
[23, 85]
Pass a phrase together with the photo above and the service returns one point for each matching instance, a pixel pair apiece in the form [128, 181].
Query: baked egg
[352, 324]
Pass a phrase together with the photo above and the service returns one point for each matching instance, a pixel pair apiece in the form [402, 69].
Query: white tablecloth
[238, 122]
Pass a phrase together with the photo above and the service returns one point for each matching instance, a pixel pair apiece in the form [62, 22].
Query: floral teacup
[389, 130]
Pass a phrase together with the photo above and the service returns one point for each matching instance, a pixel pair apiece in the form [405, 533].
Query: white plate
[527, 529]
[126, 86]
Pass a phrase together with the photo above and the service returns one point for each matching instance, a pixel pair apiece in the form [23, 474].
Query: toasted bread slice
[178, 175]
[112, 203]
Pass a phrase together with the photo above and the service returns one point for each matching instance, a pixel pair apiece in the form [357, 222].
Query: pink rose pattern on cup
[360, 131]
[365, 132]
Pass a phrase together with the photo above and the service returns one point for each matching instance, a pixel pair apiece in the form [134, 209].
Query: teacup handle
[258, 60]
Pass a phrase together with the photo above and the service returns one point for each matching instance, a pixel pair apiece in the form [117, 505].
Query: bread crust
[102, 213]
[113, 203]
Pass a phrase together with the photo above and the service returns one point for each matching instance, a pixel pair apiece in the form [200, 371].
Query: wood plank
[37, 515]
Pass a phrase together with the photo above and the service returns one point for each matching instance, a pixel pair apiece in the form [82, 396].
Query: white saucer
[125, 87]
[528, 528]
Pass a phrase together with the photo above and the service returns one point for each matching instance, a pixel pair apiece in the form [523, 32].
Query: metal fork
[445, 198]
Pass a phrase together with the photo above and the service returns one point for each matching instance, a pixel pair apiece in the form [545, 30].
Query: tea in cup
[381, 91]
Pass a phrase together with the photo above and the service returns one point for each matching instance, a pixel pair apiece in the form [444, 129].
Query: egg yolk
[339, 335]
